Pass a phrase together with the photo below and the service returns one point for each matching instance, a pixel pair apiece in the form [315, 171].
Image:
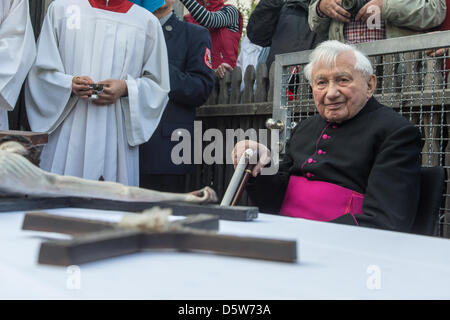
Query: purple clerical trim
[318, 200]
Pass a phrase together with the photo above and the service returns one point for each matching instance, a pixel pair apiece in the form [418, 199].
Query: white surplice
[86, 140]
[17, 53]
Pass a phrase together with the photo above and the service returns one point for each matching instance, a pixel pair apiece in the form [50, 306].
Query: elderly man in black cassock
[356, 162]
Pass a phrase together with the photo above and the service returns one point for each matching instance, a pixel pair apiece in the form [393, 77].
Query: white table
[335, 262]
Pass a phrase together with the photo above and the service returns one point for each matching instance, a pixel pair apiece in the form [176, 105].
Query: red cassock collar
[120, 6]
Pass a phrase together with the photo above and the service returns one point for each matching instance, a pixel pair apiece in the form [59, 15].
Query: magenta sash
[318, 200]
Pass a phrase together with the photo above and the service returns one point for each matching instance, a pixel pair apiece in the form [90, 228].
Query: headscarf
[150, 5]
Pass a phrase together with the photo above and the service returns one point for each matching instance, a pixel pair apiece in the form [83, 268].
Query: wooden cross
[95, 240]
[9, 203]
[36, 138]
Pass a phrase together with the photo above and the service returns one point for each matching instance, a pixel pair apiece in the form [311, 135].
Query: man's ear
[371, 85]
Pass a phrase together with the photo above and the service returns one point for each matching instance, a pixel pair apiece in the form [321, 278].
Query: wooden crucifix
[24, 186]
[36, 138]
[94, 240]
[10, 203]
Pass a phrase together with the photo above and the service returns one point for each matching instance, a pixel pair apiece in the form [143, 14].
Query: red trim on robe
[120, 6]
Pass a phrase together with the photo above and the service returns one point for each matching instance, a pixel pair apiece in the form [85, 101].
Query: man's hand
[436, 52]
[260, 152]
[222, 69]
[80, 87]
[333, 9]
[365, 12]
[112, 91]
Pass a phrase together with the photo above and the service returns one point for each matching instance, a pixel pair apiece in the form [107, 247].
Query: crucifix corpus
[24, 186]
[95, 240]
[19, 176]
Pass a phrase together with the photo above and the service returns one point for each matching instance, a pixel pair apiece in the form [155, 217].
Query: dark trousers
[163, 182]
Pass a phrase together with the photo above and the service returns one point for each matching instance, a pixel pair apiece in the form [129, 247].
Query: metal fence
[227, 108]
[410, 81]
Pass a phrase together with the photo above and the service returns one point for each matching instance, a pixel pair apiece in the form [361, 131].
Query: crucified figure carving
[18, 175]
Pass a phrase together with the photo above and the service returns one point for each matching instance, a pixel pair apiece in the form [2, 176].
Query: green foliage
[246, 11]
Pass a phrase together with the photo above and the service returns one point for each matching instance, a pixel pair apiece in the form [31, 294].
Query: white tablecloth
[335, 262]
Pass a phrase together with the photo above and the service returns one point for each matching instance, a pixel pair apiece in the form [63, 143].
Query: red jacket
[225, 43]
[446, 24]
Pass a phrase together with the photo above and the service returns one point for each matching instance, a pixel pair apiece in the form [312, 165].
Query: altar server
[84, 42]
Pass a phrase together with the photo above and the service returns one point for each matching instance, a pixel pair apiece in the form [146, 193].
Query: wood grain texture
[96, 240]
[237, 213]
[36, 138]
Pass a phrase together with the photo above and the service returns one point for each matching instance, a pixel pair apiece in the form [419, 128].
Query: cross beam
[36, 138]
[96, 240]
[235, 213]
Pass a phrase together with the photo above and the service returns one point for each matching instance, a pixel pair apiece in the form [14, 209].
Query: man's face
[340, 92]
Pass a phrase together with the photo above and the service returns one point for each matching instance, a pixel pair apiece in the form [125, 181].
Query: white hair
[327, 53]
